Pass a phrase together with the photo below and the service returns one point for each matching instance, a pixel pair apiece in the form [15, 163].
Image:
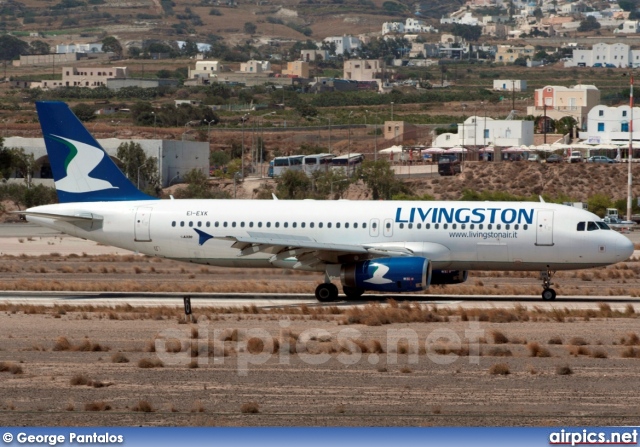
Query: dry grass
[535, 350]
[97, 406]
[405, 370]
[564, 370]
[630, 353]
[377, 315]
[197, 407]
[143, 406]
[579, 350]
[499, 369]
[150, 363]
[499, 337]
[119, 357]
[498, 351]
[80, 379]
[599, 354]
[250, 408]
[555, 341]
[578, 341]
[10, 367]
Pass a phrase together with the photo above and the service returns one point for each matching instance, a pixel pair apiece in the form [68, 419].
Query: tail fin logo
[82, 159]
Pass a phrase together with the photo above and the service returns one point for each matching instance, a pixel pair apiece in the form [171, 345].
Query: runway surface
[267, 300]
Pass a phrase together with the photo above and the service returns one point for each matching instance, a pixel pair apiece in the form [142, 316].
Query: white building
[392, 28]
[255, 66]
[605, 55]
[344, 43]
[509, 85]
[79, 48]
[418, 26]
[483, 131]
[175, 158]
[610, 125]
[205, 69]
[628, 27]
[466, 19]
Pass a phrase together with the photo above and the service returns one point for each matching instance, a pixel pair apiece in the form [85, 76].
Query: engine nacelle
[440, 277]
[410, 274]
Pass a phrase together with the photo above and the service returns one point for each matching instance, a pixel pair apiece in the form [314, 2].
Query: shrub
[97, 406]
[564, 370]
[535, 350]
[150, 363]
[499, 352]
[250, 407]
[10, 367]
[143, 406]
[599, 354]
[62, 344]
[578, 341]
[499, 337]
[80, 379]
[119, 357]
[555, 341]
[499, 369]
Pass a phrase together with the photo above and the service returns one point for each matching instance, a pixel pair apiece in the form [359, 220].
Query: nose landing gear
[548, 293]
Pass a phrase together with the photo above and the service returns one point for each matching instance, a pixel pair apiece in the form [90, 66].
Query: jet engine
[406, 274]
[440, 277]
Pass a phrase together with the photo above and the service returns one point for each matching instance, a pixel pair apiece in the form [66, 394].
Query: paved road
[275, 300]
[25, 229]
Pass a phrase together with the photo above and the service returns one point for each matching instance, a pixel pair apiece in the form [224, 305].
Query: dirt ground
[386, 386]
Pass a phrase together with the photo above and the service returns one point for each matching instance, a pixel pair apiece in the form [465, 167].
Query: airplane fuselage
[452, 235]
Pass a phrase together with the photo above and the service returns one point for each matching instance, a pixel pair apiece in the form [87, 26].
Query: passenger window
[580, 226]
[294, 225]
[337, 224]
[320, 225]
[401, 226]
[224, 225]
[364, 225]
[454, 226]
[208, 224]
[480, 226]
[472, 226]
[328, 224]
[388, 225]
[436, 226]
[233, 224]
[591, 226]
[217, 224]
[410, 226]
[498, 227]
[463, 226]
[250, 224]
[268, 224]
[173, 224]
[277, 224]
[507, 226]
[346, 224]
[190, 223]
[310, 224]
[427, 226]
[259, 224]
[355, 225]
[516, 227]
[182, 224]
[525, 227]
[445, 226]
[489, 226]
[286, 224]
[199, 223]
[374, 225]
[302, 224]
[242, 224]
[418, 226]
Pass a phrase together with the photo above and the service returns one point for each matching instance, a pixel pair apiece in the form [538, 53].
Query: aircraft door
[544, 228]
[142, 229]
[374, 227]
[387, 230]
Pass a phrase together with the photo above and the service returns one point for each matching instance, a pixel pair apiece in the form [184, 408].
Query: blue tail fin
[82, 170]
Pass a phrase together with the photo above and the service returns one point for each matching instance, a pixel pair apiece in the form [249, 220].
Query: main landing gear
[548, 293]
[327, 292]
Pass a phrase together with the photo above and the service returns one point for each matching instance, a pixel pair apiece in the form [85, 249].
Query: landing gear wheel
[352, 293]
[548, 294]
[327, 292]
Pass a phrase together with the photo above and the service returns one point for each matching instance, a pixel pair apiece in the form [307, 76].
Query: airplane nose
[624, 248]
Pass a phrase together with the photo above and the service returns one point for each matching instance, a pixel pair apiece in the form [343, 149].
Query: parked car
[554, 158]
[448, 164]
[600, 159]
[597, 65]
[575, 157]
[533, 157]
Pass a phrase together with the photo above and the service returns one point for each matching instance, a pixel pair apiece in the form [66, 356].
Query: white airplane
[385, 246]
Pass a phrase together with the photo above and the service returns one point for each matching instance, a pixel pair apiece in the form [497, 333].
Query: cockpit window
[580, 226]
[603, 226]
[591, 226]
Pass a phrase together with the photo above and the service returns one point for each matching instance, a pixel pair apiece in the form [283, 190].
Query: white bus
[317, 162]
[282, 164]
[348, 163]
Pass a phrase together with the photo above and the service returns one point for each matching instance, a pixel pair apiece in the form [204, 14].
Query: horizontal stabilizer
[75, 217]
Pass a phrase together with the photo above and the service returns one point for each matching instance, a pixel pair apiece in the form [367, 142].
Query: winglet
[82, 170]
[274, 196]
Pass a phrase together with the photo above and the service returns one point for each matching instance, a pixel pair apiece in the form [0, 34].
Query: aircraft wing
[309, 252]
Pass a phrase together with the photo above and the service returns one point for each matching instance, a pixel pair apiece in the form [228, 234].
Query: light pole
[140, 167]
[391, 110]
[262, 140]
[243, 119]
[349, 146]
[209, 130]
[187, 124]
